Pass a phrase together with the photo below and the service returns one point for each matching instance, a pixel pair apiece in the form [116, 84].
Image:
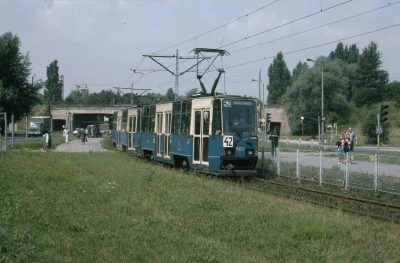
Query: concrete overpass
[75, 117]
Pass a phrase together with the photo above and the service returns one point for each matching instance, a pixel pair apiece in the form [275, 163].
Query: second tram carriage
[215, 134]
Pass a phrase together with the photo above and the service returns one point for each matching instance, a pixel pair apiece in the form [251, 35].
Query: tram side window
[146, 117]
[133, 124]
[176, 117]
[216, 122]
[139, 119]
[124, 120]
[152, 119]
[186, 114]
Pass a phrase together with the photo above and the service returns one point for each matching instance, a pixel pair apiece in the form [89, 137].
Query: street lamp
[322, 101]
[263, 101]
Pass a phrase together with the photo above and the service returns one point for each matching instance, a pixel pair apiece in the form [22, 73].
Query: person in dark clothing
[50, 139]
[274, 137]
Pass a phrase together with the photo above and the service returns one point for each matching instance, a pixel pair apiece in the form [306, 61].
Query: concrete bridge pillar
[70, 121]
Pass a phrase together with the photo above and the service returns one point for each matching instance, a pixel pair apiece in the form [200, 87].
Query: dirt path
[93, 144]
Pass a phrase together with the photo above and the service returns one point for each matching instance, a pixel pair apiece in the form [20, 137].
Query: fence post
[320, 168]
[278, 162]
[262, 162]
[297, 164]
[346, 172]
[376, 173]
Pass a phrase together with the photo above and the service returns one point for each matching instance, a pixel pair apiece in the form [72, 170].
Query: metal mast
[177, 75]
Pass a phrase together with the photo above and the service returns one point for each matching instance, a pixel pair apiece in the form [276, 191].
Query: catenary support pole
[177, 75]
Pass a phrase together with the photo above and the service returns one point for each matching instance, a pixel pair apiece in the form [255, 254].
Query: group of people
[81, 134]
[345, 146]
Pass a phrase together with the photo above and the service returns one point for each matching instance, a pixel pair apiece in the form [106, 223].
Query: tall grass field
[110, 207]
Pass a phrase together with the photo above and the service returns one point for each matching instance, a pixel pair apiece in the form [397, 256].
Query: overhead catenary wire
[268, 30]
[315, 46]
[318, 27]
[285, 24]
[214, 29]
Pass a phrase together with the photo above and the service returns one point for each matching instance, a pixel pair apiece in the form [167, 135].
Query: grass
[106, 143]
[109, 207]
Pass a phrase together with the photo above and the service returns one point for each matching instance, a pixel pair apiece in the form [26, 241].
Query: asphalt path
[330, 161]
[284, 142]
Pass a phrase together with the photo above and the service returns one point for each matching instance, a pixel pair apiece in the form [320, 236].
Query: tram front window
[239, 117]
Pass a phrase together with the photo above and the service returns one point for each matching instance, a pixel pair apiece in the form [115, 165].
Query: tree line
[108, 98]
[19, 92]
[351, 79]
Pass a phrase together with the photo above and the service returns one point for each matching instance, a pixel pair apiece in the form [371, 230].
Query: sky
[99, 42]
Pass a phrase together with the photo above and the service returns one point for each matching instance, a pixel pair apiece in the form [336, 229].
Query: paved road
[93, 144]
[312, 159]
[284, 142]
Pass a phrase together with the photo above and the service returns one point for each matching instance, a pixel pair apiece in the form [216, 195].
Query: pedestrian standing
[274, 137]
[352, 137]
[66, 134]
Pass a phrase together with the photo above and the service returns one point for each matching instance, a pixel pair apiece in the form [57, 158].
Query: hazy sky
[97, 42]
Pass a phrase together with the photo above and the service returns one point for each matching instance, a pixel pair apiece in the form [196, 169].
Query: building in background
[81, 88]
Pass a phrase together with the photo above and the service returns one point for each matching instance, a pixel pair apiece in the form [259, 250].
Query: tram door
[200, 136]
[167, 131]
[159, 134]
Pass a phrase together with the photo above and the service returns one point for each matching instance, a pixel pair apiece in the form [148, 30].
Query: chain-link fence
[361, 171]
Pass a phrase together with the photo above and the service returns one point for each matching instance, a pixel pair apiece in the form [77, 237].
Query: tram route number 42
[228, 141]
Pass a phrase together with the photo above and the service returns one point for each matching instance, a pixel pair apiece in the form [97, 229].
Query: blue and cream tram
[216, 134]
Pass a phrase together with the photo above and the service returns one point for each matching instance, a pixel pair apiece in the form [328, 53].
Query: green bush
[368, 129]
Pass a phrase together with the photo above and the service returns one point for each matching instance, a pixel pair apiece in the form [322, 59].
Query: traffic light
[268, 117]
[333, 123]
[383, 113]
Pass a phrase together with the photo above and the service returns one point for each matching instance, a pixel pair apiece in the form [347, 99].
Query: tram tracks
[370, 208]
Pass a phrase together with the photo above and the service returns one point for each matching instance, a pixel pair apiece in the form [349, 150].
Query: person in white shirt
[65, 134]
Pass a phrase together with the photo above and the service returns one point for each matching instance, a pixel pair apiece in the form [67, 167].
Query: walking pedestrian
[84, 133]
[66, 134]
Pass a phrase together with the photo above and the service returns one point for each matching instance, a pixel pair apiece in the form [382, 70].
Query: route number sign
[228, 141]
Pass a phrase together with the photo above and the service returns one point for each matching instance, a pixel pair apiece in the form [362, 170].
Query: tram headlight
[250, 152]
[228, 152]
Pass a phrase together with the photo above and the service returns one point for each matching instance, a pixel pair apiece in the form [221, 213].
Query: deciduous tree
[17, 92]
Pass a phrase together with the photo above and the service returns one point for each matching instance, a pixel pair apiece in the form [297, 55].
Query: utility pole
[379, 135]
[259, 91]
[132, 95]
[177, 75]
[265, 123]
[322, 103]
